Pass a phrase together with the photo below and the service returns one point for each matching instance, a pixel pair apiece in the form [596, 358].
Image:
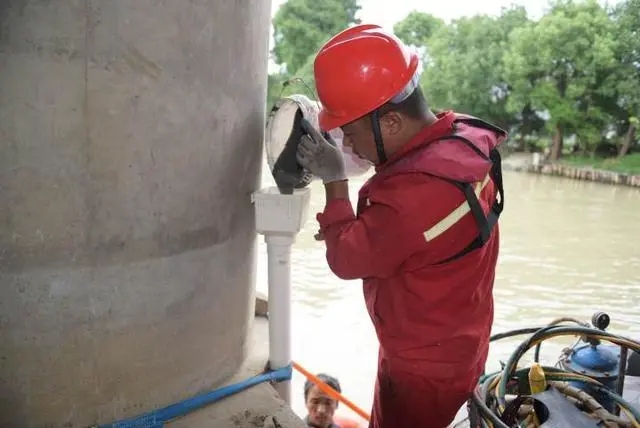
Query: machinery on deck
[594, 383]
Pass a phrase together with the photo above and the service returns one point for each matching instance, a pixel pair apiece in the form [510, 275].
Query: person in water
[320, 407]
[424, 237]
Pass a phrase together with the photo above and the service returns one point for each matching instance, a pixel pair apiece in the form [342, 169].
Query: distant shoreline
[527, 163]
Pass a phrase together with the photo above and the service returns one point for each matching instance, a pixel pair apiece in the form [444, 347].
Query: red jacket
[431, 314]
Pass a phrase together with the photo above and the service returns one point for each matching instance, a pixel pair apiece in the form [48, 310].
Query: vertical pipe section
[622, 370]
[279, 274]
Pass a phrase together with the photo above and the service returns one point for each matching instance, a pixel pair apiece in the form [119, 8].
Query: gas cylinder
[595, 360]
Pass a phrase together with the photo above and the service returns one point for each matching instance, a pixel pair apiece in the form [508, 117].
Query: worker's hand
[320, 155]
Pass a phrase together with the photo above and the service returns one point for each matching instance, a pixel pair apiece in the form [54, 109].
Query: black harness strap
[485, 223]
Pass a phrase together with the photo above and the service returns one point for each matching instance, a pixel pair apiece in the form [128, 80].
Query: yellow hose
[633, 420]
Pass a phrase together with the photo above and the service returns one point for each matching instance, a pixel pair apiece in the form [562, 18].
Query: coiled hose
[492, 388]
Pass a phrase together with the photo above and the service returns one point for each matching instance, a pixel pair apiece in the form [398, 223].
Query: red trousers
[406, 398]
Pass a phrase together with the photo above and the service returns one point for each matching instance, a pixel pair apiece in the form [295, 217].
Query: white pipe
[279, 271]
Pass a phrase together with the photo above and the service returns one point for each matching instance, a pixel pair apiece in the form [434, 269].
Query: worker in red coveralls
[424, 238]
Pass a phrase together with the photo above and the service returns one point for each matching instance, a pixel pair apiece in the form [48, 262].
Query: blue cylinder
[599, 362]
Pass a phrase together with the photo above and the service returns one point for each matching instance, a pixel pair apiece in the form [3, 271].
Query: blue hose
[157, 418]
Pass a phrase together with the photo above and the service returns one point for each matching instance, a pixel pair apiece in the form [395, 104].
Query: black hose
[511, 333]
[547, 331]
[486, 411]
[483, 387]
[480, 396]
[536, 352]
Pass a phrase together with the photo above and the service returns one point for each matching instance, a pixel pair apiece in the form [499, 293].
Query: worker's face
[358, 135]
[320, 408]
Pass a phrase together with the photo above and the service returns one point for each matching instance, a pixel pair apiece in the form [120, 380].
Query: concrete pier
[130, 141]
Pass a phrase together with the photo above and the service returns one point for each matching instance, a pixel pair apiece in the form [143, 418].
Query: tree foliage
[567, 81]
[466, 69]
[417, 28]
[570, 65]
[301, 26]
[573, 74]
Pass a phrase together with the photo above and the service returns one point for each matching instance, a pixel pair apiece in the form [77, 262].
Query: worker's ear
[390, 123]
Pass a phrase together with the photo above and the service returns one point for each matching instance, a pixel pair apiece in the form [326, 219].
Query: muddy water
[568, 248]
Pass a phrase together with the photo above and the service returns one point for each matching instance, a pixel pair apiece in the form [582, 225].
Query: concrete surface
[259, 406]
[130, 141]
[262, 304]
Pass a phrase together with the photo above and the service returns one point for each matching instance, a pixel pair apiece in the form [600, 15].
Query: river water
[568, 248]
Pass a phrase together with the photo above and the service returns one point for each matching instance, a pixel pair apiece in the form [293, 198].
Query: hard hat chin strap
[377, 136]
[375, 115]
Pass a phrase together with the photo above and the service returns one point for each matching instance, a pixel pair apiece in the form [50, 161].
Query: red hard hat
[359, 70]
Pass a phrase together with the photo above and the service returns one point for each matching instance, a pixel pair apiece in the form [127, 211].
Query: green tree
[573, 73]
[301, 26]
[275, 88]
[303, 79]
[417, 28]
[466, 69]
[560, 63]
[301, 82]
[627, 99]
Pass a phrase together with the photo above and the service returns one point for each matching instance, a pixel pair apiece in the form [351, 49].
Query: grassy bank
[629, 164]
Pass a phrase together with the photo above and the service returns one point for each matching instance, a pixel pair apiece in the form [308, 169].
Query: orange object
[359, 70]
[330, 391]
[343, 422]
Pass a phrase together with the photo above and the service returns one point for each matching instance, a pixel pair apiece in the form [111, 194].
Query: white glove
[320, 155]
